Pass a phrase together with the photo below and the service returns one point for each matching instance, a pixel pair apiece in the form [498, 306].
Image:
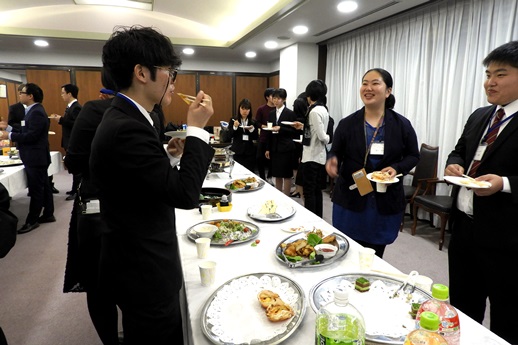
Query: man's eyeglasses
[172, 72]
[22, 93]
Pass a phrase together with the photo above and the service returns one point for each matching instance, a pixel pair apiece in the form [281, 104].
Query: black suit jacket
[494, 214]
[67, 122]
[16, 115]
[283, 140]
[139, 191]
[33, 138]
[239, 145]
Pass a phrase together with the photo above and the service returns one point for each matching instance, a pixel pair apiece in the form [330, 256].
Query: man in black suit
[16, 113]
[69, 94]
[139, 189]
[481, 253]
[33, 144]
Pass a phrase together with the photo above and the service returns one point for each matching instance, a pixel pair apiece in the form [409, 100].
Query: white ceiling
[217, 29]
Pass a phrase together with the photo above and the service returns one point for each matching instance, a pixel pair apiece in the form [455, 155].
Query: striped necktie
[491, 136]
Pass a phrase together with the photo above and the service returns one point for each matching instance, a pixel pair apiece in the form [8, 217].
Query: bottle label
[322, 340]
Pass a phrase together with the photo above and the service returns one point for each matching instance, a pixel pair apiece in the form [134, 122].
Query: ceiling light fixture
[250, 55]
[347, 6]
[41, 43]
[188, 51]
[137, 4]
[300, 29]
[271, 44]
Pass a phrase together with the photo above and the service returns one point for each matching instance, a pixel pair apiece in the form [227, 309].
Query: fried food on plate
[267, 297]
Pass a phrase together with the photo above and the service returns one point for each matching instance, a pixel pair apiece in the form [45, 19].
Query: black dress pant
[263, 163]
[314, 179]
[40, 192]
[478, 273]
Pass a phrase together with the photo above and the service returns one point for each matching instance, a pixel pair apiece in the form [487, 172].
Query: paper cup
[269, 124]
[381, 187]
[424, 283]
[202, 247]
[206, 211]
[366, 258]
[207, 272]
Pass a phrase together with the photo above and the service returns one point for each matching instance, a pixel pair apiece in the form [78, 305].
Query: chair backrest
[427, 166]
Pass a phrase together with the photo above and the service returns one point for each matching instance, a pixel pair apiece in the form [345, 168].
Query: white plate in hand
[394, 180]
[466, 182]
[176, 134]
[289, 123]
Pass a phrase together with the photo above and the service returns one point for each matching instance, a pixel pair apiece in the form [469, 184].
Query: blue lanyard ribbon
[496, 125]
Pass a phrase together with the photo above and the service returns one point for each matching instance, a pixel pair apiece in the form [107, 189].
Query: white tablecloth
[237, 260]
[14, 179]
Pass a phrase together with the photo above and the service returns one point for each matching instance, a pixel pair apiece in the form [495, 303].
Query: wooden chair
[425, 169]
[435, 204]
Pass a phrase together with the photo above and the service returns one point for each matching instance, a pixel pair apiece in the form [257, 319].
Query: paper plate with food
[388, 316]
[176, 134]
[247, 184]
[295, 229]
[5, 161]
[381, 177]
[271, 211]
[312, 249]
[467, 182]
[272, 305]
[229, 232]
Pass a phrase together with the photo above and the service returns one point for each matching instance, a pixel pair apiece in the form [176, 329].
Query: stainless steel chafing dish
[223, 159]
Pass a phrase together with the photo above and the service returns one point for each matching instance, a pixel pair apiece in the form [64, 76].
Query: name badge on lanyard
[23, 123]
[480, 151]
[377, 148]
[245, 137]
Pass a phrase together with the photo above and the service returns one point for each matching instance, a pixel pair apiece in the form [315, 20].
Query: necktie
[491, 136]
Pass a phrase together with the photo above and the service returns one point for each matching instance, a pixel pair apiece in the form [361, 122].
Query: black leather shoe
[28, 227]
[71, 197]
[54, 190]
[49, 219]
[70, 192]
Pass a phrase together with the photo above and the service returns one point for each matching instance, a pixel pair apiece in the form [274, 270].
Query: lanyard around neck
[380, 123]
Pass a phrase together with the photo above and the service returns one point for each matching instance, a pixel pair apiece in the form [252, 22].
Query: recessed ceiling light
[300, 29]
[271, 44]
[138, 4]
[188, 51]
[41, 43]
[250, 54]
[347, 6]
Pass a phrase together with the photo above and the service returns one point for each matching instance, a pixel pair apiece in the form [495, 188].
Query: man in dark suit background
[16, 113]
[482, 249]
[69, 94]
[33, 144]
[139, 189]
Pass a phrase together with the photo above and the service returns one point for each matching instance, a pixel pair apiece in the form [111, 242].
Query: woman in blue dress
[374, 138]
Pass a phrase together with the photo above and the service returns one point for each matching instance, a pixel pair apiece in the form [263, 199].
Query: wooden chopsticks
[189, 99]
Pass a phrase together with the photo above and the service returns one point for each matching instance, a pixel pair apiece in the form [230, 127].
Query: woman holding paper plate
[374, 138]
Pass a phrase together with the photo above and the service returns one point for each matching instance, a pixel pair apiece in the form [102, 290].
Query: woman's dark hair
[316, 90]
[35, 91]
[300, 107]
[506, 54]
[387, 79]
[280, 93]
[130, 46]
[245, 104]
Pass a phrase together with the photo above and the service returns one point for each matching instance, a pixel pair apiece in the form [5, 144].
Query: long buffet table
[238, 260]
[14, 179]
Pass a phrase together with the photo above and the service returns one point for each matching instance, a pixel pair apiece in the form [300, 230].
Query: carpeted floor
[35, 311]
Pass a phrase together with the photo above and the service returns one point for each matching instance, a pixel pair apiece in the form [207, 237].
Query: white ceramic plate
[466, 182]
[394, 180]
[267, 129]
[295, 229]
[176, 134]
[289, 123]
[283, 211]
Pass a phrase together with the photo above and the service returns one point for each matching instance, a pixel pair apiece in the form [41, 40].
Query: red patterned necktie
[491, 136]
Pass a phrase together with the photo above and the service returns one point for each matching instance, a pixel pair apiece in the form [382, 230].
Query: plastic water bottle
[427, 332]
[449, 327]
[340, 323]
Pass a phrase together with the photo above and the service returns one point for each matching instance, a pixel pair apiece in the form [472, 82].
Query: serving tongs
[407, 286]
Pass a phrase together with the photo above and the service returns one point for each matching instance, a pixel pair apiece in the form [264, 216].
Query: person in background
[69, 94]
[16, 113]
[33, 144]
[281, 148]
[84, 235]
[314, 144]
[138, 187]
[483, 239]
[300, 108]
[375, 138]
[261, 116]
[242, 131]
